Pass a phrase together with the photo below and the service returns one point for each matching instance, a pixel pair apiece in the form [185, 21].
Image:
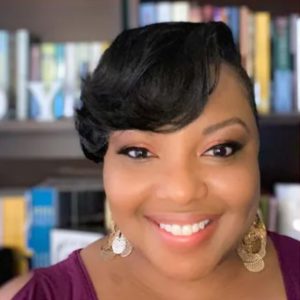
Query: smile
[184, 230]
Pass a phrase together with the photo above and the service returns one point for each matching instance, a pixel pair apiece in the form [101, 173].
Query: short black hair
[157, 75]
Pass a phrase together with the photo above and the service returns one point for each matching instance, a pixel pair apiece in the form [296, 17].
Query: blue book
[234, 22]
[147, 12]
[282, 67]
[59, 97]
[42, 206]
[60, 205]
[283, 91]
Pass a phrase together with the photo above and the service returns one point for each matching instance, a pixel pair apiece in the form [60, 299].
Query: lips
[180, 240]
[181, 218]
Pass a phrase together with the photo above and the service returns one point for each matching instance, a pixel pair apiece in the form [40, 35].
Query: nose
[182, 184]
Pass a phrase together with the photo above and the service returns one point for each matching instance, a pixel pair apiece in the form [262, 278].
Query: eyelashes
[136, 152]
[223, 150]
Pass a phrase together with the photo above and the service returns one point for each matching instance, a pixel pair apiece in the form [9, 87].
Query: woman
[171, 113]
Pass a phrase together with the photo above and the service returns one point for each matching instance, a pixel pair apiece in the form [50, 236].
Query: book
[220, 14]
[164, 11]
[130, 14]
[23, 42]
[61, 203]
[282, 68]
[147, 13]
[64, 241]
[293, 39]
[70, 85]
[262, 63]
[288, 196]
[246, 39]
[195, 14]
[233, 22]
[59, 101]
[13, 224]
[180, 11]
[34, 76]
[4, 73]
[207, 13]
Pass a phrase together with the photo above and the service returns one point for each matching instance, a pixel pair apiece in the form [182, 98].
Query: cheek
[125, 190]
[239, 187]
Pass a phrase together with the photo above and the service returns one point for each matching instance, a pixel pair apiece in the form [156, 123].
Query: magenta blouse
[69, 279]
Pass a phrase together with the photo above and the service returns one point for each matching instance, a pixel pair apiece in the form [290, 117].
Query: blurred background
[51, 198]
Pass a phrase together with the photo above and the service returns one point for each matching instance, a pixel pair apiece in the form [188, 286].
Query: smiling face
[184, 199]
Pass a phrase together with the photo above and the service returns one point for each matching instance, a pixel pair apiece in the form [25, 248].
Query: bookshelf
[30, 151]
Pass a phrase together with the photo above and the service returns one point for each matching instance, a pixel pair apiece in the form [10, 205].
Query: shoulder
[10, 289]
[288, 252]
[285, 244]
[59, 281]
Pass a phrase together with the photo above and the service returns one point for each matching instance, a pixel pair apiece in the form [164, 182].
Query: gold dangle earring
[117, 243]
[252, 249]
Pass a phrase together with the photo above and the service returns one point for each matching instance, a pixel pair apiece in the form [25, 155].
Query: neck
[157, 285]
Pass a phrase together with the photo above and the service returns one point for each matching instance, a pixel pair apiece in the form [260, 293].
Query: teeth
[186, 230]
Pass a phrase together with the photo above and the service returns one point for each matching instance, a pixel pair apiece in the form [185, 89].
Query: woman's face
[184, 199]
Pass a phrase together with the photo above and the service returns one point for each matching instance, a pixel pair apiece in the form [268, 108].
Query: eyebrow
[229, 122]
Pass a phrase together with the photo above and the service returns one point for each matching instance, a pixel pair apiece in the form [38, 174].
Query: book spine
[180, 11]
[132, 12]
[164, 10]
[282, 77]
[58, 105]
[207, 12]
[262, 64]
[220, 14]
[42, 212]
[14, 227]
[35, 75]
[234, 22]
[22, 59]
[4, 73]
[195, 12]
[243, 37]
[70, 79]
[147, 13]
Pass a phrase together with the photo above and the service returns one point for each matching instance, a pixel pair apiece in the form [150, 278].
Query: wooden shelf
[280, 119]
[59, 139]
[39, 140]
[61, 21]
[30, 126]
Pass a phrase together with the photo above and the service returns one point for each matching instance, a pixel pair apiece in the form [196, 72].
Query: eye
[136, 152]
[224, 150]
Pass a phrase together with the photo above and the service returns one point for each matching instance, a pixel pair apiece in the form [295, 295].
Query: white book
[4, 73]
[95, 50]
[64, 241]
[180, 11]
[164, 11]
[22, 61]
[288, 196]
